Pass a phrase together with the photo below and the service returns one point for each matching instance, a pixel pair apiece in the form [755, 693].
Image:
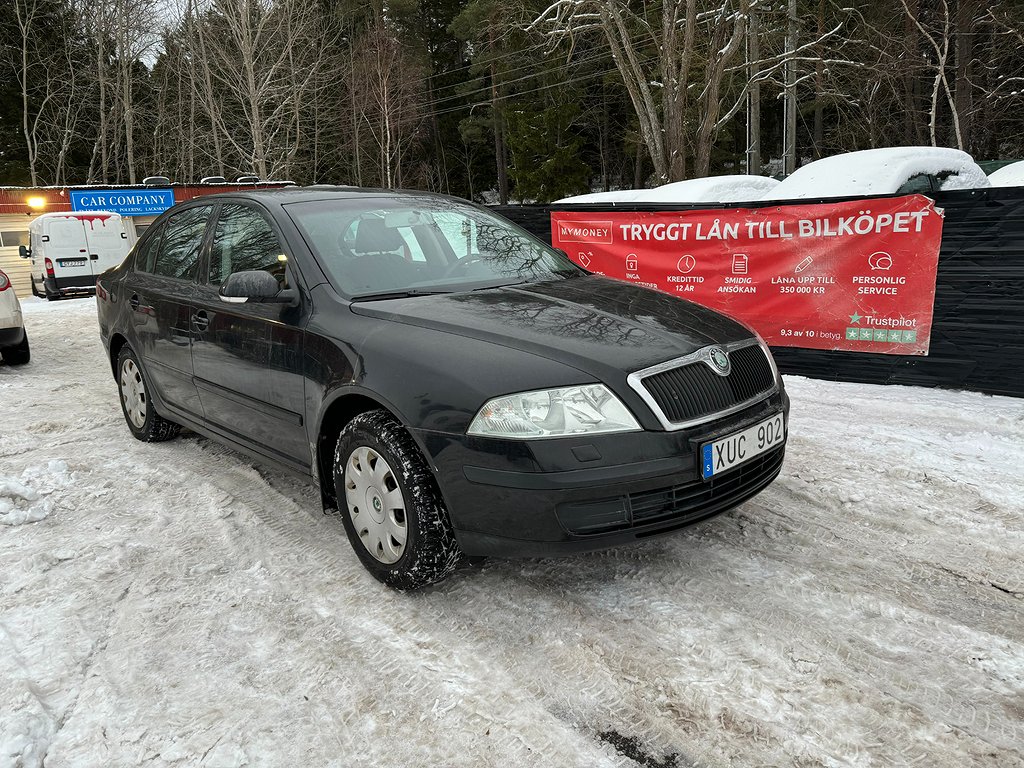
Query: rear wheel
[143, 420]
[392, 509]
[18, 354]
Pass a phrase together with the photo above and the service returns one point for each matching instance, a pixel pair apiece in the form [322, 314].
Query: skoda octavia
[455, 386]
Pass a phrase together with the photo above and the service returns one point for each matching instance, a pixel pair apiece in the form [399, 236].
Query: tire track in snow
[843, 617]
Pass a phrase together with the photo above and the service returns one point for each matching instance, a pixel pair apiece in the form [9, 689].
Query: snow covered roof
[713, 189]
[1011, 175]
[616, 196]
[878, 172]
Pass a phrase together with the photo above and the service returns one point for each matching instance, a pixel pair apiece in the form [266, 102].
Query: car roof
[874, 172]
[287, 195]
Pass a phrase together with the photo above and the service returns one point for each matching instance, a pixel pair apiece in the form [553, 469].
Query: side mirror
[24, 252]
[258, 286]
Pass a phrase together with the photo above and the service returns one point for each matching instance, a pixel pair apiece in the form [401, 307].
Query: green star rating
[881, 335]
[855, 318]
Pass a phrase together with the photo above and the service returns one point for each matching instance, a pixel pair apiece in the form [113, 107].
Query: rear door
[248, 357]
[106, 240]
[159, 293]
[65, 245]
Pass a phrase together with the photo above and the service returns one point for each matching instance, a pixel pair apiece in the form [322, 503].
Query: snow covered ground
[174, 605]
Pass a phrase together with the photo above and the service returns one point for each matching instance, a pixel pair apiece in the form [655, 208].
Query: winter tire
[392, 509]
[132, 386]
[17, 355]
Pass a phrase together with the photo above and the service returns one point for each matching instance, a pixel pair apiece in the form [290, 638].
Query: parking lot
[175, 604]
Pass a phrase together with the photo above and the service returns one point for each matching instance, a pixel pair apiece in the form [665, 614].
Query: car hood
[592, 323]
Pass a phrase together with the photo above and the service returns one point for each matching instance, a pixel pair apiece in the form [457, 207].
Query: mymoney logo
[585, 231]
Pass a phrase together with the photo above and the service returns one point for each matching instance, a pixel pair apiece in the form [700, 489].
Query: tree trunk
[500, 152]
[963, 88]
[819, 87]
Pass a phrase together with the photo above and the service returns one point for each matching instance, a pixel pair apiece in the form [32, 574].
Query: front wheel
[17, 355]
[393, 512]
[143, 420]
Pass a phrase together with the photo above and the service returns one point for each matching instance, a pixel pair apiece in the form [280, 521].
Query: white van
[69, 250]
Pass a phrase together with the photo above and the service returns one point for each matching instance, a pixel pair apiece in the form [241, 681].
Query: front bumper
[556, 497]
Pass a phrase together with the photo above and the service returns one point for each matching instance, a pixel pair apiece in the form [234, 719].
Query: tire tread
[435, 555]
[157, 429]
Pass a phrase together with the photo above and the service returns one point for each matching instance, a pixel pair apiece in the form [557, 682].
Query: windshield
[374, 247]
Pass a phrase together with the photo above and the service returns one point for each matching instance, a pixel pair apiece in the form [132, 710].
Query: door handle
[200, 320]
[134, 302]
[94, 256]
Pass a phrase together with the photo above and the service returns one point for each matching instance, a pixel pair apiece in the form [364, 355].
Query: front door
[159, 292]
[248, 357]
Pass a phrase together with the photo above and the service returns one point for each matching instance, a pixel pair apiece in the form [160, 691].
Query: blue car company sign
[127, 202]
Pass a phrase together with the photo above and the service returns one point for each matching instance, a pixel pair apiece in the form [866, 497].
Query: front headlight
[589, 409]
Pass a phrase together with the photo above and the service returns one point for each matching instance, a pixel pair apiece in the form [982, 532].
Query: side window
[243, 240]
[178, 254]
[146, 254]
[13, 239]
[922, 183]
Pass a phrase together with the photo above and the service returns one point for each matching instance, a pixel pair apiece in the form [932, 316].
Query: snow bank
[1011, 175]
[713, 189]
[27, 500]
[878, 172]
[615, 196]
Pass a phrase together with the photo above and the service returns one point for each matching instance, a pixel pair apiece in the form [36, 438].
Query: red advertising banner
[856, 276]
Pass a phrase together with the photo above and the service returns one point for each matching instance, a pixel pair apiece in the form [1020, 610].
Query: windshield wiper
[492, 286]
[382, 295]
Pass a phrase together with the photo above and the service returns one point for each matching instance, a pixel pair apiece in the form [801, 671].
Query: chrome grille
[691, 391]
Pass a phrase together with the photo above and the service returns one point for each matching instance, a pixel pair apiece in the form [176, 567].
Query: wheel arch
[117, 343]
[340, 410]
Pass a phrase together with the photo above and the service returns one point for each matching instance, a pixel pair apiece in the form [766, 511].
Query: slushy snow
[177, 605]
[878, 172]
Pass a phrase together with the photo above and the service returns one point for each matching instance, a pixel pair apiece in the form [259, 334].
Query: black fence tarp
[978, 333]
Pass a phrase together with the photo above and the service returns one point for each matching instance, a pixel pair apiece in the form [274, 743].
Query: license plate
[727, 452]
[72, 262]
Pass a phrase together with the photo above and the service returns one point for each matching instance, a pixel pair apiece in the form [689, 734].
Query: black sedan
[455, 386]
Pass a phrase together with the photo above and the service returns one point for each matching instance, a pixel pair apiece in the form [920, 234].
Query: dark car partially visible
[455, 386]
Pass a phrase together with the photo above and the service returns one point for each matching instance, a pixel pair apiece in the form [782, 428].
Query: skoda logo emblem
[719, 361]
[376, 503]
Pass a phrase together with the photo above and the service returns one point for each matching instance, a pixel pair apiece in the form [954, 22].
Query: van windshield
[377, 247]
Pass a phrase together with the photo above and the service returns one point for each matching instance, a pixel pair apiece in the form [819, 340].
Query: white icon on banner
[631, 262]
[803, 265]
[686, 264]
[584, 258]
[880, 260]
[740, 263]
